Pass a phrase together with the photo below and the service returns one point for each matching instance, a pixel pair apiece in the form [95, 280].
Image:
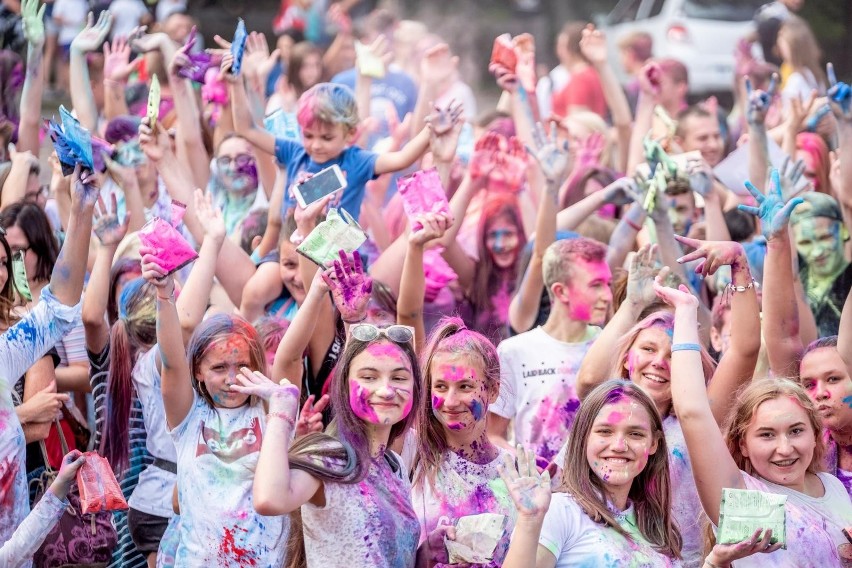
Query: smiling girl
[613, 506]
[363, 515]
[456, 467]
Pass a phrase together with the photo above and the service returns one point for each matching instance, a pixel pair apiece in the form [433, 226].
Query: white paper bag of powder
[476, 538]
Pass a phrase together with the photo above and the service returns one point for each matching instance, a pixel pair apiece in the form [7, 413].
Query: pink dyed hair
[816, 147]
[328, 103]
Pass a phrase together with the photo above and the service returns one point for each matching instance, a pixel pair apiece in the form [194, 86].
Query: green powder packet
[338, 231]
[743, 511]
[20, 276]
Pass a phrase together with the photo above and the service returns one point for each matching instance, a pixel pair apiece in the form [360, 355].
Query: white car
[702, 34]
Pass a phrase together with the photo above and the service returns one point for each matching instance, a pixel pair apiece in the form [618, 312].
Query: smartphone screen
[321, 184]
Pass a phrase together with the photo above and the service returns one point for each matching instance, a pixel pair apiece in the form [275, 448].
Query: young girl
[356, 511]
[456, 467]
[772, 443]
[801, 55]
[612, 507]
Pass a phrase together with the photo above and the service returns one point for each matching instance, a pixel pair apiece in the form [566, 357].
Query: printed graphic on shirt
[238, 444]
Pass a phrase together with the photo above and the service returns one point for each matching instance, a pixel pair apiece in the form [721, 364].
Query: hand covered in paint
[839, 96]
[590, 149]
[677, 298]
[32, 21]
[759, 101]
[715, 254]
[649, 80]
[117, 63]
[773, 212]
[484, 158]
[725, 554]
[552, 156]
[525, 67]
[282, 396]
[435, 540]
[350, 287]
[67, 475]
[445, 125]
[85, 189]
[155, 275]
[640, 278]
[429, 227]
[310, 418]
[94, 34]
[791, 173]
[209, 216]
[622, 191]
[530, 491]
[107, 226]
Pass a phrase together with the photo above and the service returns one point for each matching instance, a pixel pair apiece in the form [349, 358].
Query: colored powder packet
[171, 249]
[476, 538]
[197, 67]
[421, 193]
[338, 231]
[153, 102]
[283, 125]
[79, 139]
[63, 150]
[99, 490]
[19, 270]
[369, 64]
[743, 511]
[503, 53]
[238, 47]
[178, 211]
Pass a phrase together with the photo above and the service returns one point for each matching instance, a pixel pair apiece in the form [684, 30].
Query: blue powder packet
[238, 47]
[78, 138]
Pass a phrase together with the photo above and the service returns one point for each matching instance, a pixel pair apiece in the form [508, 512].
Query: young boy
[328, 116]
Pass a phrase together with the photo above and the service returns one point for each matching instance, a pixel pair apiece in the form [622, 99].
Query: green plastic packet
[743, 511]
[20, 276]
[338, 231]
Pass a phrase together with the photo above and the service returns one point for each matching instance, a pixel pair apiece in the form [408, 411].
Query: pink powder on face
[406, 394]
[456, 372]
[631, 363]
[615, 417]
[383, 349]
[359, 398]
[580, 311]
[437, 402]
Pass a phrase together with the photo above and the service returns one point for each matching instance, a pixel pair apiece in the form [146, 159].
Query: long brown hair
[450, 336]
[650, 491]
[748, 401]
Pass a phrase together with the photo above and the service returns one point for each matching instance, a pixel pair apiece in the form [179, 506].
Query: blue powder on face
[477, 410]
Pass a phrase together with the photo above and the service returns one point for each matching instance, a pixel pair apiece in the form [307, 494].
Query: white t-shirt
[217, 451]
[538, 376]
[370, 523]
[153, 493]
[465, 488]
[126, 15]
[73, 15]
[463, 94]
[813, 525]
[686, 505]
[576, 540]
[798, 86]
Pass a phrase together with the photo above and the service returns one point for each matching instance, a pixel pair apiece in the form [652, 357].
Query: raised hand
[117, 64]
[209, 216]
[484, 158]
[760, 101]
[551, 155]
[94, 34]
[640, 277]
[85, 189]
[438, 65]
[593, 46]
[677, 298]
[839, 95]
[154, 274]
[715, 254]
[258, 62]
[525, 68]
[445, 125]
[725, 554]
[790, 173]
[429, 227]
[530, 491]
[773, 212]
[622, 191]
[590, 149]
[32, 21]
[144, 42]
[155, 145]
[649, 80]
[107, 226]
[255, 383]
[192, 66]
[350, 287]
[310, 418]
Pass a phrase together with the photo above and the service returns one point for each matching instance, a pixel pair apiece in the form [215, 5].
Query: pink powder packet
[172, 250]
[422, 192]
[178, 211]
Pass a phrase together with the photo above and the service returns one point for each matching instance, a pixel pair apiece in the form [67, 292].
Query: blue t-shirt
[357, 164]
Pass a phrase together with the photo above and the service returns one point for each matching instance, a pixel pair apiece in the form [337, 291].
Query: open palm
[530, 491]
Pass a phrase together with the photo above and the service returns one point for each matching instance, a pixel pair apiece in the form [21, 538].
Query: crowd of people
[611, 309]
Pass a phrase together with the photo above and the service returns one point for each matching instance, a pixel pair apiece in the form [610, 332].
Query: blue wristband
[686, 347]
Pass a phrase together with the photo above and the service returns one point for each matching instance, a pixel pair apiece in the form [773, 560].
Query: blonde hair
[804, 49]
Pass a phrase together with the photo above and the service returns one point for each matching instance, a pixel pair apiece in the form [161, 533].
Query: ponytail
[115, 439]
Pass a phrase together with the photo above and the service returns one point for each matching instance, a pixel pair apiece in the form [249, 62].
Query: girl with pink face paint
[351, 492]
[456, 465]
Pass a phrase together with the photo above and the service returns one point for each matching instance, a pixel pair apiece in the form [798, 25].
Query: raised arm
[88, 40]
[597, 365]
[758, 145]
[840, 99]
[117, 69]
[740, 358]
[780, 311]
[244, 124]
[31, 94]
[110, 230]
[712, 465]
[649, 94]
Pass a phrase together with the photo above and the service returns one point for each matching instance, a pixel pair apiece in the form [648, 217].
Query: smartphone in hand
[326, 182]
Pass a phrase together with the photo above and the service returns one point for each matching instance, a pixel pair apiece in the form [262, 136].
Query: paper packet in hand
[19, 270]
[198, 64]
[172, 250]
[422, 192]
[476, 538]
[238, 47]
[338, 231]
[743, 511]
[154, 103]
[99, 490]
[503, 53]
[369, 64]
[74, 144]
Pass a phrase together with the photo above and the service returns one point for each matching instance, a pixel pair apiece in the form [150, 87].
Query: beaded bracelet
[283, 416]
[753, 284]
[686, 347]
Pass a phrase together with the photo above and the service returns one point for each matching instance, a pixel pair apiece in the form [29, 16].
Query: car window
[625, 11]
[722, 10]
[656, 8]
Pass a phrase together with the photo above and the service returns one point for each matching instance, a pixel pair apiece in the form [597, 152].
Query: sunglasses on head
[368, 332]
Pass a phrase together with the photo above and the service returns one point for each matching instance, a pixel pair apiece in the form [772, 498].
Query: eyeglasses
[241, 160]
[368, 332]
